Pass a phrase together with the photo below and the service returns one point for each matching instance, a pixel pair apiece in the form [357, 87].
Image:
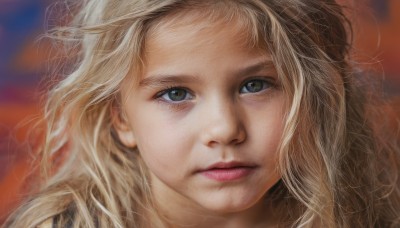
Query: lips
[228, 171]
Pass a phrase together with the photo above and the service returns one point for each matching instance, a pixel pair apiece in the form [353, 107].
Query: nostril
[240, 138]
[212, 144]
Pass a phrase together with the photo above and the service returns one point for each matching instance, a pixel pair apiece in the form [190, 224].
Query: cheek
[163, 145]
[267, 130]
[272, 135]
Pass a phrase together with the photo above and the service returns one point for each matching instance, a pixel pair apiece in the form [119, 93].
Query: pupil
[254, 86]
[177, 94]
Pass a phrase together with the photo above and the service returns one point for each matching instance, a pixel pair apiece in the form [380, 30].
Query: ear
[121, 125]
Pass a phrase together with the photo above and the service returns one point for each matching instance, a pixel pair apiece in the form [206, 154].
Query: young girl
[184, 113]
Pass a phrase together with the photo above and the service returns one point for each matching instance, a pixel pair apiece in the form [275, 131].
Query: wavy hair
[337, 169]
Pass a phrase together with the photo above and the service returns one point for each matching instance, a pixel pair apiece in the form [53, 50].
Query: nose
[223, 125]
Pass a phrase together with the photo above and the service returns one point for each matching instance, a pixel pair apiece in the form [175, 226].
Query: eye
[254, 86]
[175, 95]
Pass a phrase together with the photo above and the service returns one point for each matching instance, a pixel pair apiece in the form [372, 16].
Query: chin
[229, 204]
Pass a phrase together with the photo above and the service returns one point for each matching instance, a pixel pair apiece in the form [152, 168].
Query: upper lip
[230, 165]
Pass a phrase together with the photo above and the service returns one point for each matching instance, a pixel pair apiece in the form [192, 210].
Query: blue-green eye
[176, 95]
[254, 86]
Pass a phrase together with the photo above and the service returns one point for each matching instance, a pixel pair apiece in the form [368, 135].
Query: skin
[216, 118]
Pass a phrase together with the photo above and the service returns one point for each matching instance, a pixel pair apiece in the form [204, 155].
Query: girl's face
[207, 117]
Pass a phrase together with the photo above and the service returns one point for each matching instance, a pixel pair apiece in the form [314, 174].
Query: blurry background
[23, 64]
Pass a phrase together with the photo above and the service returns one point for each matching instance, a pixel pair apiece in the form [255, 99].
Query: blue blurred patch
[20, 22]
[381, 9]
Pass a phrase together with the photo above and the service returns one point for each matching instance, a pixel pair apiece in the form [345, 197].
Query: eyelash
[268, 83]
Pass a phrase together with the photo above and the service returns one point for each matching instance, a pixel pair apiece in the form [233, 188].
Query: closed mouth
[228, 171]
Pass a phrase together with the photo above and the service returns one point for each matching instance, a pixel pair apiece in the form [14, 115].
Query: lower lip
[228, 174]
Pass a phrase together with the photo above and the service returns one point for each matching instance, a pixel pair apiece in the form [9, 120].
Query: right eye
[255, 86]
[175, 95]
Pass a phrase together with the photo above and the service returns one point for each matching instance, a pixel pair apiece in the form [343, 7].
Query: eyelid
[270, 79]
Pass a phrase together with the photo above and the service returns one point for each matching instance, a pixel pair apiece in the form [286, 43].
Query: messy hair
[336, 171]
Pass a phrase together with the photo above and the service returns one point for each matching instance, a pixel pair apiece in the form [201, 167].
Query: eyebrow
[163, 79]
[255, 68]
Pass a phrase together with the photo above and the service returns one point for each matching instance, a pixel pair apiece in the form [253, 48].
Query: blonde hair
[336, 172]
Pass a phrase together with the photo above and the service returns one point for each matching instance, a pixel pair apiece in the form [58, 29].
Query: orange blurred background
[23, 64]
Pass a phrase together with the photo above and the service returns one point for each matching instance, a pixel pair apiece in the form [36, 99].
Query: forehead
[223, 23]
[192, 39]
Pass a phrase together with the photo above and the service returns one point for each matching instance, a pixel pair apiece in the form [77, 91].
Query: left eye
[254, 86]
[175, 95]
